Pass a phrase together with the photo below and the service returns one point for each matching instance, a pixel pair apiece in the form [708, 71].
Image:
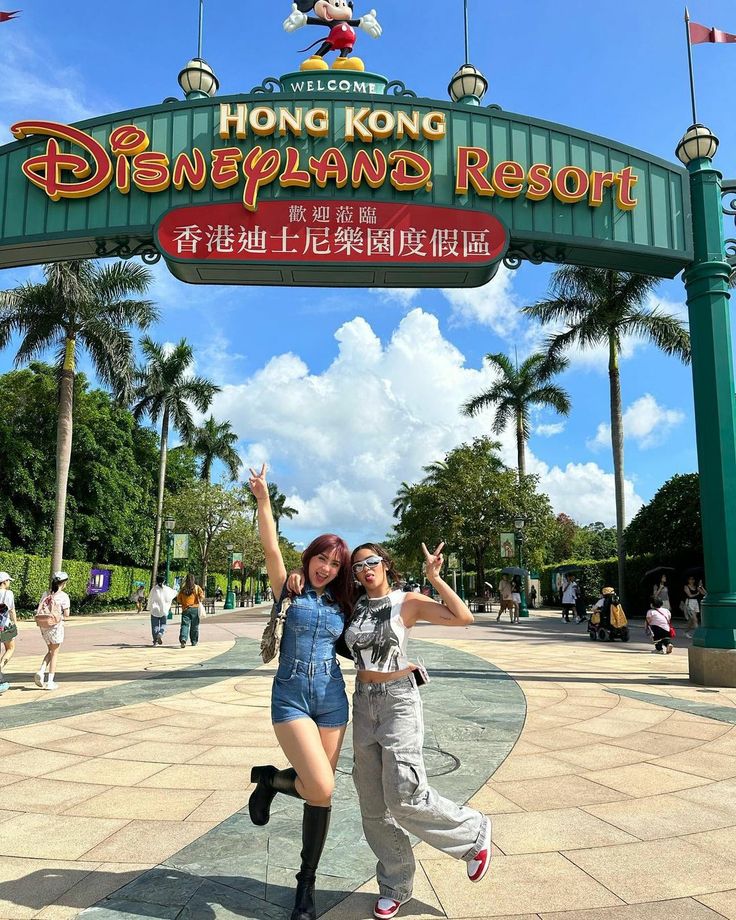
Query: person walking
[692, 593]
[388, 729]
[53, 608]
[309, 706]
[140, 598]
[159, 603]
[659, 622]
[662, 592]
[8, 627]
[516, 599]
[533, 597]
[505, 590]
[189, 598]
[569, 597]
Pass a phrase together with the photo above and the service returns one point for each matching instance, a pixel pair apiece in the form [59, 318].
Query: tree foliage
[112, 474]
[670, 522]
[467, 500]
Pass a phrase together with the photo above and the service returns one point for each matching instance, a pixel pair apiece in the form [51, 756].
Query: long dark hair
[392, 573]
[341, 587]
[189, 584]
[56, 583]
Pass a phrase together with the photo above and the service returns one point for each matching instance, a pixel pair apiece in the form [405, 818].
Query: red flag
[5, 17]
[700, 34]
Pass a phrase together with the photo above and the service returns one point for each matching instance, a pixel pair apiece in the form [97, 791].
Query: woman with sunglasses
[388, 729]
[309, 707]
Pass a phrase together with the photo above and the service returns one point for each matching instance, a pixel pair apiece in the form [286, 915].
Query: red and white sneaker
[478, 867]
[386, 908]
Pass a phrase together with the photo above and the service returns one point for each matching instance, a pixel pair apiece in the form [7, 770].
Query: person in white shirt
[159, 603]
[57, 608]
[659, 621]
[8, 627]
[570, 595]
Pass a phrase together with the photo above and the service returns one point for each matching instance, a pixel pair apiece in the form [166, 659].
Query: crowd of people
[54, 608]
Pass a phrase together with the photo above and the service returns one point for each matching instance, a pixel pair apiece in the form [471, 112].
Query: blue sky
[347, 392]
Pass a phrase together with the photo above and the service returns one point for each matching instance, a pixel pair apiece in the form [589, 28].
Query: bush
[31, 579]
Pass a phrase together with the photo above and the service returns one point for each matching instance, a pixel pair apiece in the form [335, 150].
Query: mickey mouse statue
[336, 16]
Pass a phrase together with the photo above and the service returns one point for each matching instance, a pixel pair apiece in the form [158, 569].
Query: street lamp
[712, 656]
[462, 576]
[169, 524]
[230, 594]
[519, 523]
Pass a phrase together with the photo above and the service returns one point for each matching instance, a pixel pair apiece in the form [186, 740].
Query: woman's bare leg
[8, 652]
[313, 753]
[51, 658]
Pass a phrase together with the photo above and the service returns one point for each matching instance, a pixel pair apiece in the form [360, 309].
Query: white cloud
[495, 304]
[584, 491]
[648, 423]
[403, 296]
[341, 442]
[645, 422]
[602, 438]
[548, 431]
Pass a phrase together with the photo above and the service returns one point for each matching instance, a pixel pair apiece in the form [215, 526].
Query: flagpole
[467, 59]
[690, 62]
[201, 17]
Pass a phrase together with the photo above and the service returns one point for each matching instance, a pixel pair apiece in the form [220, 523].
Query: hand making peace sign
[258, 484]
[433, 561]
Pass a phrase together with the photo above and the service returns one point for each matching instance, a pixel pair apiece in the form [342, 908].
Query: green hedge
[30, 576]
[595, 573]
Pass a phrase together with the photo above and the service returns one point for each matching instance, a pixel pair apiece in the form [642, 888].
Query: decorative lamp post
[713, 654]
[169, 524]
[230, 594]
[519, 523]
[259, 585]
[198, 79]
[468, 85]
[462, 575]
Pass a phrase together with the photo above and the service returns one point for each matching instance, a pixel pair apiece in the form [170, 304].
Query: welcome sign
[307, 180]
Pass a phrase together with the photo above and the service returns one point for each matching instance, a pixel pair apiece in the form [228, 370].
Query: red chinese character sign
[288, 236]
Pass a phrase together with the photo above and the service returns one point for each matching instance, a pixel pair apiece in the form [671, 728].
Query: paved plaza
[611, 780]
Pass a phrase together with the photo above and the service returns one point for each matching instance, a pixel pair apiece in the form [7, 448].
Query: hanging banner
[181, 546]
[508, 544]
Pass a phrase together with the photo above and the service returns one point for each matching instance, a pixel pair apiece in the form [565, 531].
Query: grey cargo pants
[389, 774]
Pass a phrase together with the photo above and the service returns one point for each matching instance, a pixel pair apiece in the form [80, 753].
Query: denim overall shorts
[309, 682]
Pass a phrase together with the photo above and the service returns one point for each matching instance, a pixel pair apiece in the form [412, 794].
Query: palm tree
[78, 305]
[403, 499]
[601, 307]
[516, 391]
[165, 389]
[279, 508]
[214, 441]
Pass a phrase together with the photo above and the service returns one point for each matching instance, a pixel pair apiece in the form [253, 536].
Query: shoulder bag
[10, 630]
[271, 638]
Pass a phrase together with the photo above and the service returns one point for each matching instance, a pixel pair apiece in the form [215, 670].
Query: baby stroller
[608, 621]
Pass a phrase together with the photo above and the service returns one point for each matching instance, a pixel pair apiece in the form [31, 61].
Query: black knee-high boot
[269, 781]
[315, 824]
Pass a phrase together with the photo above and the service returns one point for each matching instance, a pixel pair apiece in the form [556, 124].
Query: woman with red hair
[309, 706]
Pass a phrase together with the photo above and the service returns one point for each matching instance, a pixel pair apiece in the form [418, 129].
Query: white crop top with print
[377, 636]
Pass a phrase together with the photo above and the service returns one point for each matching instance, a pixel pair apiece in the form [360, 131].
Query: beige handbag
[271, 638]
